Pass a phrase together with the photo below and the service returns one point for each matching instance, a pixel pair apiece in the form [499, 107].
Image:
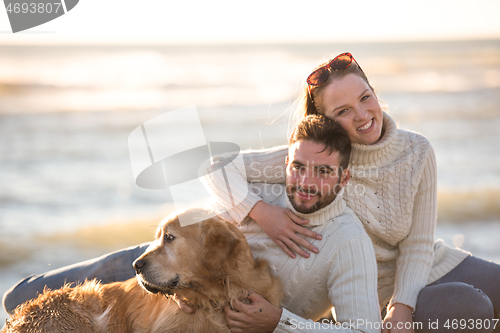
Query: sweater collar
[334, 209]
[382, 152]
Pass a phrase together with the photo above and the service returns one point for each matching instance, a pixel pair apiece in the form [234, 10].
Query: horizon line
[120, 42]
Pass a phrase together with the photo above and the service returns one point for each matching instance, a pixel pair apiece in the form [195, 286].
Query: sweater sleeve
[416, 250]
[352, 289]
[230, 187]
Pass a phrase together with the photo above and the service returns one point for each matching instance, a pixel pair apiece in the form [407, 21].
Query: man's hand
[398, 315]
[257, 317]
[282, 226]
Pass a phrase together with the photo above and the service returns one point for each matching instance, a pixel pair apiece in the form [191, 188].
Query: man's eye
[169, 237]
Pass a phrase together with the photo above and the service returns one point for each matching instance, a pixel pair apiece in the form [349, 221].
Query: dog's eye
[169, 237]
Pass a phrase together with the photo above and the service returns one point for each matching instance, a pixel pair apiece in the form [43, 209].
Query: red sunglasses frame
[320, 75]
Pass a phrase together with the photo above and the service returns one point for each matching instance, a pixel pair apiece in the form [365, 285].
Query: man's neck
[322, 215]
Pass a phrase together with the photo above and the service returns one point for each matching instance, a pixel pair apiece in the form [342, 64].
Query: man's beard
[323, 199]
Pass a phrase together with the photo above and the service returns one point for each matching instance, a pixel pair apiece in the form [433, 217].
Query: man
[343, 273]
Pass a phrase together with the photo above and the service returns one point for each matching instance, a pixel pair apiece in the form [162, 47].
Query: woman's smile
[366, 126]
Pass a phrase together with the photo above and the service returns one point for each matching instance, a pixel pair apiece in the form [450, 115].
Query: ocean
[67, 192]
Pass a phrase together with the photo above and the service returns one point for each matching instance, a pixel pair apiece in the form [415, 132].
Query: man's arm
[352, 289]
[353, 284]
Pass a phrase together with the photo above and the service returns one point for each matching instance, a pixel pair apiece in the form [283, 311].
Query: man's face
[312, 176]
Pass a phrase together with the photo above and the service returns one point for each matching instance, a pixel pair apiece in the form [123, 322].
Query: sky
[263, 21]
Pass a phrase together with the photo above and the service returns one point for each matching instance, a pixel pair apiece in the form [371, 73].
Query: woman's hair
[327, 132]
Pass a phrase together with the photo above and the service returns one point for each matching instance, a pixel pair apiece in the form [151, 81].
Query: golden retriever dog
[207, 264]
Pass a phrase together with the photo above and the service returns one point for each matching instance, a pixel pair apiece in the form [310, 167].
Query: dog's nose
[138, 264]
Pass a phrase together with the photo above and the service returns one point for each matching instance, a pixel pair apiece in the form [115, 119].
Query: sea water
[67, 192]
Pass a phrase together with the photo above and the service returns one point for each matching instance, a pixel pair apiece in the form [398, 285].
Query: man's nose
[306, 179]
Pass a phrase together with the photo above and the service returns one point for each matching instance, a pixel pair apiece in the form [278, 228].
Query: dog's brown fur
[208, 264]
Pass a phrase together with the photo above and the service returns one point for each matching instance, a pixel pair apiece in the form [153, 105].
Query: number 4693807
[470, 324]
[33, 8]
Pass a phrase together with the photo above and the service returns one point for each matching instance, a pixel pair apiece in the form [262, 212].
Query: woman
[393, 191]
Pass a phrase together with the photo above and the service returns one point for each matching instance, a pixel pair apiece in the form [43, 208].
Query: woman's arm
[266, 165]
[416, 250]
[227, 180]
[235, 174]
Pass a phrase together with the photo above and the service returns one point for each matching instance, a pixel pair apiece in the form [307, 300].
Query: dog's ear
[219, 243]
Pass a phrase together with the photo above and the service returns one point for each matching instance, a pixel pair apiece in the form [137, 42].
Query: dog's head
[194, 257]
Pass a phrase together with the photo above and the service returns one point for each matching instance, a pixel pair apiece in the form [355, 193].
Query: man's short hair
[327, 132]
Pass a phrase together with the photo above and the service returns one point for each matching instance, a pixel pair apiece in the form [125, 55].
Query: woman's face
[351, 103]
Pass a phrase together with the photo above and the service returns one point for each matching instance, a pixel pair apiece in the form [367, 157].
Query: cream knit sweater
[393, 191]
[343, 274]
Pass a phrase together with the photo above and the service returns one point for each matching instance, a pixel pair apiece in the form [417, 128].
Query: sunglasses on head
[320, 75]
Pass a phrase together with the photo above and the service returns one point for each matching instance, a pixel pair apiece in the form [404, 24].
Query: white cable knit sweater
[393, 191]
[342, 274]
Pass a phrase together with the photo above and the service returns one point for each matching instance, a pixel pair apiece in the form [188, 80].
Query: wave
[459, 206]
[455, 207]
[40, 79]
